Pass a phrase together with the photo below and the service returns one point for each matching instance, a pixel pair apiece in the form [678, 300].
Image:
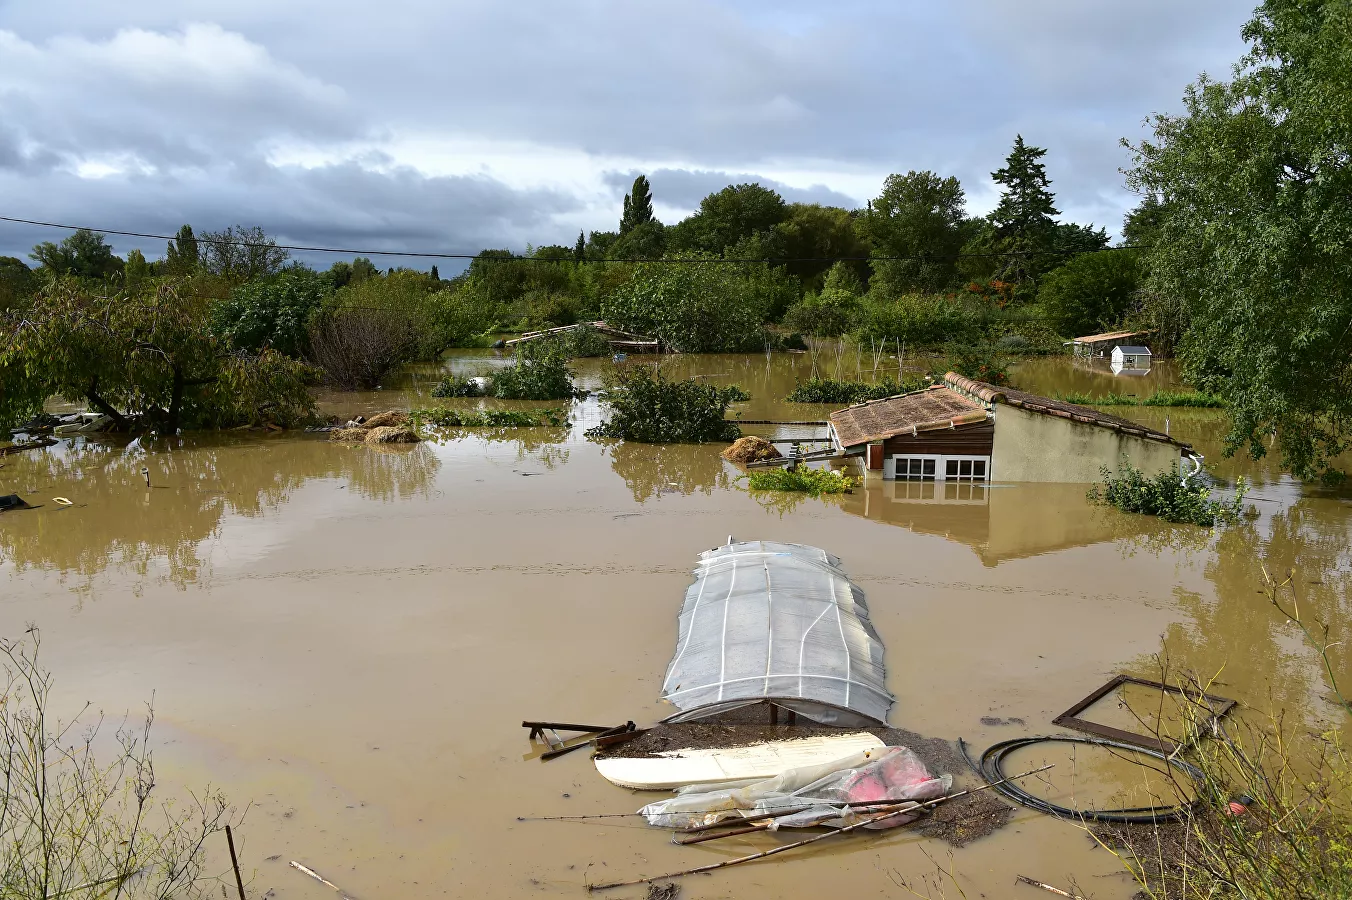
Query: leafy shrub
[917, 320]
[803, 480]
[649, 409]
[845, 393]
[438, 319]
[580, 343]
[541, 373]
[273, 312]
[490, 418]
[693, 307]
[453, 386]
[1166, 495]
[356, 347]
[828, 314]
[978, 361]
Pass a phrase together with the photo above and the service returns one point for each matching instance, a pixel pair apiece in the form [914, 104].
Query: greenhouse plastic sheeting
[780, 622]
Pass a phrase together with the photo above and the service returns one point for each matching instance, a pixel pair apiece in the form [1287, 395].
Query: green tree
[647, 240]
[137, 269]
[85, 254]
[819, 233]
[638, 206]
[181, 256]
[918, 215]
[580, 248]
[434, 274]
[273, 312]
[16, 282]
[694, 307]
[1255, 182]
[147, 351]
[1024, 221]
[1141, 227]
[241, 253]
[726, 217]
[1091, 293]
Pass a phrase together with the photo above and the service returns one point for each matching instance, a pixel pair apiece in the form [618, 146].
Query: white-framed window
[940, 467]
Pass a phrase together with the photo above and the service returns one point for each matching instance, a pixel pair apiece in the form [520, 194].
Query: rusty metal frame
[1219, 707]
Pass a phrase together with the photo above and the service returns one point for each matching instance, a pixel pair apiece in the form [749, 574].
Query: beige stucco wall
[1032, 447]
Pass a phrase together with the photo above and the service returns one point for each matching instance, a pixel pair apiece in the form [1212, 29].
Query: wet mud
[348, 637]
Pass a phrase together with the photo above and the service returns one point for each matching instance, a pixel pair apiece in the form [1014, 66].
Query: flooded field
[349, 639]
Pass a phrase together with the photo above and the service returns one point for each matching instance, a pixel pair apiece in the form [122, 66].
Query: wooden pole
[234, 860]
[1024, 879]
[812, 840]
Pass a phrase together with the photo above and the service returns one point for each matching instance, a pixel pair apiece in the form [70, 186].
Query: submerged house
[969, 431]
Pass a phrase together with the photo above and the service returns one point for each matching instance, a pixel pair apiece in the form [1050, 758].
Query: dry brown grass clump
[751, 449]
[392, 434]
[385, 419]
[349, 435]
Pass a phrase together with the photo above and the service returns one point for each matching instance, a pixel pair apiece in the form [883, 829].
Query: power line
[515, 258]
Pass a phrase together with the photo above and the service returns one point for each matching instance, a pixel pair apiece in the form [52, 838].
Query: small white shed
[1128, 357]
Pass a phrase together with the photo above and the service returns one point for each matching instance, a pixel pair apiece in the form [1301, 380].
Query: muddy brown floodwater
[350, 638]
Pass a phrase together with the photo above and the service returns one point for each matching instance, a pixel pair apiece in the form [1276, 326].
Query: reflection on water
[117, 522]
[999, 522]
[652, 470]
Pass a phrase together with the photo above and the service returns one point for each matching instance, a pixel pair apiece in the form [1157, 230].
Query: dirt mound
[351, 435]
[750, 449]
[392, 434]
[386, 419]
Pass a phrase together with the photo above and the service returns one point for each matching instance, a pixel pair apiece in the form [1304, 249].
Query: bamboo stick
[1047, 887]
[812, 840]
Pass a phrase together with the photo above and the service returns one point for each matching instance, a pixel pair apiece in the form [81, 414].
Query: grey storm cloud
[293, 113]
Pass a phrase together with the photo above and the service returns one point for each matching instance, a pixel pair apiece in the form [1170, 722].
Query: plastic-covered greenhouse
[779, 624]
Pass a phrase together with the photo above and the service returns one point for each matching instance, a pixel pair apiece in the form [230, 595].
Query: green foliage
[917, 320]
[638, 206]
[272, 312]
[583, 342]
[846, 393]
[649, 409]
[1253, 234]
[147, 352]
[1091, 293]
[1159, 398]
[646, 240]
[694, 307]
[831, 313]
[84, 254]
[919, 215]
[811, 233]
[802, 480]
[453, 386]
[490, 418]
[1168, 496]
[182, 255]
[1023, 220]
[1141, 227]
[982, 362]
[541, 373]
[17, 282]
[438, 318]
[726, 217]
[240, 253]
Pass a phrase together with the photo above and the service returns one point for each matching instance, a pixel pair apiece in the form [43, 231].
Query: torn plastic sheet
[812, 795]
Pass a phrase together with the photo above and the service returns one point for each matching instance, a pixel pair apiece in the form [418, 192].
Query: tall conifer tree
[1024, 221]
[638, 205]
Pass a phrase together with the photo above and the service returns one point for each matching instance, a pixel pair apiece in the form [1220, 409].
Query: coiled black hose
[991, 768]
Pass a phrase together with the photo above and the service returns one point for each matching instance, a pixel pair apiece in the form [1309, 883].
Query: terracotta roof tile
[934, 407]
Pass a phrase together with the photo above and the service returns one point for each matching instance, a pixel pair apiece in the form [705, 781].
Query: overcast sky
[454, 125]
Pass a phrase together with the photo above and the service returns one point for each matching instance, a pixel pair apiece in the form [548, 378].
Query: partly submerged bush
[831, 313]
[456, 386]
[692, 306]
[356, 347]
[541, 373]
[582, 342]
[916, 320]
[647, 408]
[1168, 496]
[824, 390]
[802, 479]
[490, 418]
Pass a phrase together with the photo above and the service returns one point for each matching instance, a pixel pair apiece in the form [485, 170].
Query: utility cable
[515, 258]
